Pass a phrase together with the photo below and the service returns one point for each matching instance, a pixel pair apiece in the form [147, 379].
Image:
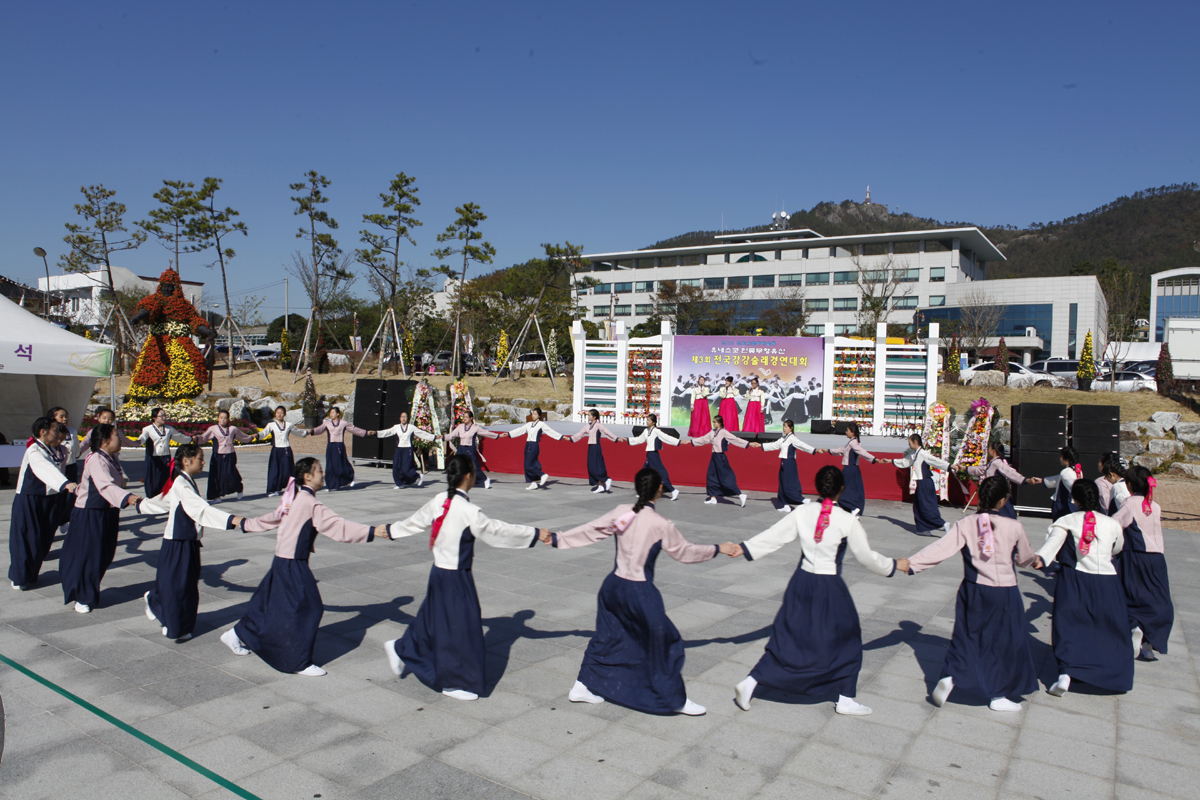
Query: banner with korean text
[790, 372]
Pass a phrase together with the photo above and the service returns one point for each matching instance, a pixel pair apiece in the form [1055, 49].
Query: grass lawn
[1135, 406]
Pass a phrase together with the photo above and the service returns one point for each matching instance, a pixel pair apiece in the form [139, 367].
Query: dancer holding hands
[919, 461]
[404, 464]
[533, 432]
[597, 471]
[854, 498]
[720, 481]
[1142, 566]
[998, 465]
[1063, 483]
[728, 410]
[654, 438]
[223, 475]
[790, 493]
[157, 437]
[467, 434]
[34, 516]
[1111, 483]
[339, 472]
[701, 422]
[815, 647]
[282, 464]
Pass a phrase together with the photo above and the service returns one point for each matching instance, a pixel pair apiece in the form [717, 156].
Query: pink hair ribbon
[1089, 533]
[823, 520]
[437, 523]
[987, 539]
[1078, 472]
[285, 502]
[1151, 482]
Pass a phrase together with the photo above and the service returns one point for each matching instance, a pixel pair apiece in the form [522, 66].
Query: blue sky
[610, 125]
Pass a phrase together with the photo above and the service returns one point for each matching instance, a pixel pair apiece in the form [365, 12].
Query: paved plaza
[360, 732]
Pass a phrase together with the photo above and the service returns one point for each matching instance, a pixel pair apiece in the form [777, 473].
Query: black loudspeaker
[1036, 464]
[1091, 414]
[828, 426]
[1039, 411]
[750, 437]
[1041, 427]
[1045, 442]
[769, 436]
[368, 414]
[1096, 444]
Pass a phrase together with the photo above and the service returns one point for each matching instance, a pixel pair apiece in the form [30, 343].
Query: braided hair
[1137, 478]
[100, 434]
[457, 470]
[998, 446]
[188, 451]
[916, 438]
[1086, 495]
[829, 482]
[646, 483]
[991, 491]
[853, 428]
[1069, 455]
[1110, 464]
[304, 468]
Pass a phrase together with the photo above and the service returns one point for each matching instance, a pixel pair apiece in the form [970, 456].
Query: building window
[817, 278]
[739, 282]
[622, 287]
[817, 305]
[844, 330]
[937, 300]
[791, 280]
[937, 274]
[908, 275]
[814, 330]
[74, 303]
[714, 283]
[603, 288]
[845, 304]
[645, 286]
[621, 311]
[845, 277]
[600, 311]
[689, 282]
[904, 302]
[751, 257]
[764, 281]
[644, 309]
[1073, 322]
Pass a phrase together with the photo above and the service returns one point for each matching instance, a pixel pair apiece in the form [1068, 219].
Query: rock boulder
[989, 378]
[1188, 432]
[1149, 462]
[247, 392]
[295, 416]
[1130, 445]
[1191, 470]
[1166, 418]
[225, 403]
[1165, 447]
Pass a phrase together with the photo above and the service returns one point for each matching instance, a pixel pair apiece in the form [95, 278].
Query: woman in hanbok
[175, 599]
[339, 472]
[636, 655]
[1063, 483]
[1142, 566]
[920, 464]
[597, 471]
[989, 651]
[655, 438]
[998, 465]
[701, 422]
[533, 433]
[444, 645]
[466, 438]
[756, 398]
[70, 465]
[157, 438]
[728, 410]
[404, 464]
[1111, 483]
[281, 464]
[720, 480]
[1090, 629]
[34, 515]
[815, 647]
[281, 624]
[791, 493]
[223, 476]
[96, 516]
[854, 498]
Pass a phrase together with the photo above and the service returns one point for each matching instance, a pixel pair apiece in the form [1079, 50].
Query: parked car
[1019, 375]
[260, 353]
[1127, 381]
[441, 362]
[1063, 367]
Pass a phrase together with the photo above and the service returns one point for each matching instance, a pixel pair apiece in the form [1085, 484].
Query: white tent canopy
[41, 366]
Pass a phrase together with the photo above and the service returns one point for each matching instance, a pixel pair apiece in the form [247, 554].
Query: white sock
[581, 694]
[743, 692]
[1148, 652]
[1003, 704]
[693, 709]
[460, 694]
[942, 691]
[848, 705]
[1060, 686]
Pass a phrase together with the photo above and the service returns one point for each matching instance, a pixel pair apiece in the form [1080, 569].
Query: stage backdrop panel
[790, 369]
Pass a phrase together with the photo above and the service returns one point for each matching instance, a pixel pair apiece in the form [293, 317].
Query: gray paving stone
[841, 769]
[497, 755]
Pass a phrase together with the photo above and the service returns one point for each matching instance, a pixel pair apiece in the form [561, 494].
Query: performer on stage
[998, 465]
[989, 649]
[729, 403]
[32, 524]
[533, 432]
[339, 472]
[70, 467]
[96, 516]
[175, 598]
[443, 645]
[468, 434]
[854, 498]
[1063, 483]
[790, 493]
[404, 463]
[597, 472]
[157, 437]
[754, 421]
[816, 643]
[926, 515]
[285, 612]
[701, 422]
[1111, 483]
[282, 464]
[654, 438]
[635, 658]
[720, 481]
[223, 475]
[1142, 566]
[1090, 630]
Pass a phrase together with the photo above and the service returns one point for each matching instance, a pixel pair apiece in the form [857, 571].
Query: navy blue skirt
[281, 466]
[1147, 594]
[66, 500]
[720, 481]
[926, 513]
[443, 645]
[285, 612]
[533, 467]
[338, 472]
[654, 462]
[597, 472]
[636, 655]
[1062, 504]
[854, 496]
[815, 647]
[30, 535]
[989, 650]
[790, 492]
[223, 476]
[1090, 630]
[472, 453]
[157, 473]
[404, 467]
[175, 597]
[88, 553]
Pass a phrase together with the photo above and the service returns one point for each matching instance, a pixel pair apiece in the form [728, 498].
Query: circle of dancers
[1111, 595]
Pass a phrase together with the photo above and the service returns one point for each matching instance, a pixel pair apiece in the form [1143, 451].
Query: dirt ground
[1135, 406]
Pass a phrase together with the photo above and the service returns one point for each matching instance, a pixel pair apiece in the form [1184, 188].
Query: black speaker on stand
[1095, 430]
[1039, 432]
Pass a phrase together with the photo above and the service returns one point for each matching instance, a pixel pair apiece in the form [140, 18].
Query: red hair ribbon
[1151, 482]
[1089, 533]
[1078, 472]
[987, 539]
[823, 520]
[437, 523]
[170, 479]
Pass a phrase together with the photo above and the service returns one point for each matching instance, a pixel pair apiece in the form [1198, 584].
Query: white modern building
[77, 295]
[1174, 293]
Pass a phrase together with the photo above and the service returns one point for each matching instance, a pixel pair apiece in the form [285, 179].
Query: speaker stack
[1095, 430]
[1039, 432]
[377, 405]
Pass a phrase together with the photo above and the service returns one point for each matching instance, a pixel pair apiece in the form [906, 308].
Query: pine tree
[1002, 359]
[1087, 362]
[1165, 373]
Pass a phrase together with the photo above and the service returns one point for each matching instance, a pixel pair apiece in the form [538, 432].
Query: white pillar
[621, 337]
[880, 378]
[827, 378]
[579, 346]
[931, 365]
[668, 375]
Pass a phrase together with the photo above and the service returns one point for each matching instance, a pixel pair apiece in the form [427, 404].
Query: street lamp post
[37, 251]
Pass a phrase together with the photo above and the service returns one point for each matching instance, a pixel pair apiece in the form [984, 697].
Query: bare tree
[724, 308]
[682, 304]
[787, 313]
[880, 282]
[246, 312]
[1122, 295]
[979, 317]
[323, 284]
